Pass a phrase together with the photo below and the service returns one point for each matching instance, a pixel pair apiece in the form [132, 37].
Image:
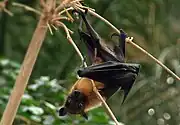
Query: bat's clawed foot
[114, 34]
[122, 32]
[83, 63]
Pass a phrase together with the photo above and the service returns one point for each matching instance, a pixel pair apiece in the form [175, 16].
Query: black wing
[113, 74]
[93, 41]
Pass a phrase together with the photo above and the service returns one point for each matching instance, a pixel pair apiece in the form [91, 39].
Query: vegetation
[155, 96]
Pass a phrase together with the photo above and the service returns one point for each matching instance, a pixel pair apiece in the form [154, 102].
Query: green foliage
[41, 100]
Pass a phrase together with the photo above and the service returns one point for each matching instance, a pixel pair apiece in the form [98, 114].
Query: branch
[64, 3]
[25, 71]
[72, 42]
[3, 5]
[104, 103]
[26, 8]
[128, 40]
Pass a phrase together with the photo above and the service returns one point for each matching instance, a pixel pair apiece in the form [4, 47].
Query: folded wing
[113, 74]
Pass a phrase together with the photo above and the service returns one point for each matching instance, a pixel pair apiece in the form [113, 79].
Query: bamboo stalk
[25, 71]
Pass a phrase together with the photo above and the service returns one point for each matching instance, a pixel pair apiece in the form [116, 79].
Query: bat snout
[62, 111]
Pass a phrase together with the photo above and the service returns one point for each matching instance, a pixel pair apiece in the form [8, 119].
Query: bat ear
[85, 115]
[62, 111]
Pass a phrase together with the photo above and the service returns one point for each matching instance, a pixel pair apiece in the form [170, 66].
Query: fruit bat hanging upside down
[108, 70]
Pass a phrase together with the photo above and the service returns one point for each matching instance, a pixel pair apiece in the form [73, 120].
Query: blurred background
[154, 98]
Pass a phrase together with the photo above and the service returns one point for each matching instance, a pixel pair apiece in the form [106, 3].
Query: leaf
[33, 109]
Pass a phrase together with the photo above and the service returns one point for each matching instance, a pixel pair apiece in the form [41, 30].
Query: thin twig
[54, 27]
[130, 40]
[3, 5]
[60, 18]
[63, 11]
[84, 7]
[64, 2]
[8, 12]
[49, 27]
[104, 20]
[28, 8]
[69, 15]
[72, 42]
[135, 45]
[104, 103]
[26, 120]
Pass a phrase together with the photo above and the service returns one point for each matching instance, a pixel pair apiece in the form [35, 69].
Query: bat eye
[68, 102]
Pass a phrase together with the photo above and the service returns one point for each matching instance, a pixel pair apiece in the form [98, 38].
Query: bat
[94, 43]
[108, 70]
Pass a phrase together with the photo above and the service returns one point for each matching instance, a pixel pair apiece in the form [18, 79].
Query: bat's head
[75, 104]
